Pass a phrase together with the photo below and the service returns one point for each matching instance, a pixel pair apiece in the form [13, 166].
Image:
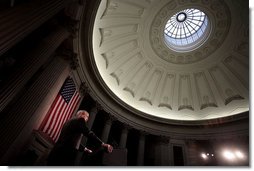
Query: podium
[117, 158]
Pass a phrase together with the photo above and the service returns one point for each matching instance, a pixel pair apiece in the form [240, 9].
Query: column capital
[84, 89]
[190, 141]
[143, 134]
[164, 139]
[98, 106]
[70, 56]
[71, 25]
[110, 118]
[126, 127]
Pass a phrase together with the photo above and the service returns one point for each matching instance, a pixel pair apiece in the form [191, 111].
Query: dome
[202, 79]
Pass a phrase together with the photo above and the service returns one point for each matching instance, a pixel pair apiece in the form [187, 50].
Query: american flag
[61, 109]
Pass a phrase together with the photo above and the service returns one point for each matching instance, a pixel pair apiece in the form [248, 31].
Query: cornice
[100, 92]
[217, 35]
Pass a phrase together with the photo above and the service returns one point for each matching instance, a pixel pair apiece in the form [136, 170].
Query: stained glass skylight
[186, 27]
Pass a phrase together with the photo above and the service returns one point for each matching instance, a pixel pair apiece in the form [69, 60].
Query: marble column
[141, 149]
[19, 21]
[124, 136]
[33, 61]
[107, 127]
[15, 120]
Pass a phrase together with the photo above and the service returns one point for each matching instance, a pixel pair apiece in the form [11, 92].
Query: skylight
[186, 27]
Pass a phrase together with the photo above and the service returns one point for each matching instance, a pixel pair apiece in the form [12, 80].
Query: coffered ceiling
[210, 81]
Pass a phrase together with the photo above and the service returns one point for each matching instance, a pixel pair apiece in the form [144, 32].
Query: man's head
[83, 114]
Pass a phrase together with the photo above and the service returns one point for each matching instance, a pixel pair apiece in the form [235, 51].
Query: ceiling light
[228, 155]
[239, 154]
[203, 155]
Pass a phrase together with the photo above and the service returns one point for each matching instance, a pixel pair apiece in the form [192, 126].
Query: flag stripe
[61, 109]
[56, 122]
[62, 121]
[47, 117]
[67, 116]
[52, 112]
[56, 115]
[44, 124]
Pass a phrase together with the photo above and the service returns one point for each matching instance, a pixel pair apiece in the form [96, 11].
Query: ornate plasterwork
[134, 74]
[219, 20]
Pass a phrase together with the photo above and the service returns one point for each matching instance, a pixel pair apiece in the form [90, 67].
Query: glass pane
[186, 26]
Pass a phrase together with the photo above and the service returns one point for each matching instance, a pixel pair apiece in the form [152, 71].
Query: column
[93, 114]
[17, 22]
[192, 153]
[165, 151]
[107, 128]
[15, 122]
[141, 149]
[124, 136]
[34, 60]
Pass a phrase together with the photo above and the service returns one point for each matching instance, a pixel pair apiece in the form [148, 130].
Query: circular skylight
[186, 29]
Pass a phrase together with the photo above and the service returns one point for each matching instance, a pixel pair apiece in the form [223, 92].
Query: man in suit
[66, 148]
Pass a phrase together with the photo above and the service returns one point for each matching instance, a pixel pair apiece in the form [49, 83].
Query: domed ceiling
[206, 79]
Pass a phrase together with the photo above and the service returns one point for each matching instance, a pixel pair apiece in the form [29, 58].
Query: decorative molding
[84, 88]
[74, 10]
[224, 85]
[128, 114]
[167, 93]
[231, 98]
[126, 127]
[165, 105]
[185, 106]
[98, 106]
[146, 99]
[164, 140]
[238, 68]
[185, 93]
[126, 67]
[70, 56]
[136, 81]
[207, 104]
[119, 51]
[122, 9]
[205, 95]
[220, 14]
[71, 25]
[151, 87]
[143, 133]
[110, 118]
[243, 48]
[115, 32]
